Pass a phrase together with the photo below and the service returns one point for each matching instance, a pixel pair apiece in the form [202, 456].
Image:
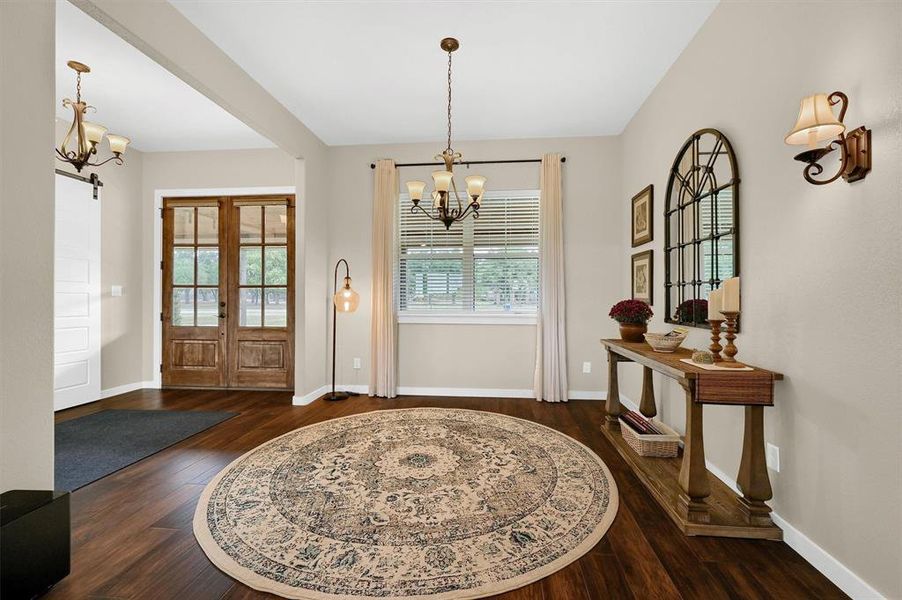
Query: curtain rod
[472, 162]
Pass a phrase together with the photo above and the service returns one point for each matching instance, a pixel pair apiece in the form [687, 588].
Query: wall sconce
[817, 123]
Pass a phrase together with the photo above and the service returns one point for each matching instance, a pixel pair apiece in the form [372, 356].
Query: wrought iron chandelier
[446, 208]
[86, 134]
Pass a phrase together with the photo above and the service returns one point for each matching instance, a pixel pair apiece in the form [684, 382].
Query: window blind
[486, 265]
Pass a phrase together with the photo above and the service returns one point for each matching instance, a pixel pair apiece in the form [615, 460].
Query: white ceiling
[372, 72]
[135, 96]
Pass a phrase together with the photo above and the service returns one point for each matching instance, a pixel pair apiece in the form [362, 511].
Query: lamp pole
[348, 307]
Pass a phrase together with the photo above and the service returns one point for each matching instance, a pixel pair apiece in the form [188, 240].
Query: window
[480, 268]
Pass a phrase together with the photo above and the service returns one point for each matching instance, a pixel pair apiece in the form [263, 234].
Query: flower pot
[632, 332]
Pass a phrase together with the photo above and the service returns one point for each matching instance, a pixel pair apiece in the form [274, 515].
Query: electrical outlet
[116, 290]
[772, 455]
[356, 363]
[587, 367]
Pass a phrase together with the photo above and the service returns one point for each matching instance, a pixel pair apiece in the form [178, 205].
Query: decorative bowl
[661, 342]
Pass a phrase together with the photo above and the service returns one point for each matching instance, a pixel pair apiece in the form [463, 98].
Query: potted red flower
[633, 316]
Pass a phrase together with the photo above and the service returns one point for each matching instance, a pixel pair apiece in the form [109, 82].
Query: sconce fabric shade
[93, 131]
[346, 300]
[415, 190]
[442, 180]
[816, 122]
[475, 185]
[117, 143]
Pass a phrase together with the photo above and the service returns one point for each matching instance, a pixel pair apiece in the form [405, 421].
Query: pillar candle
[731, 295]
[715, 299]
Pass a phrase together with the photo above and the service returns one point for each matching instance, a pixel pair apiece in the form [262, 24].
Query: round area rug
[419, 504]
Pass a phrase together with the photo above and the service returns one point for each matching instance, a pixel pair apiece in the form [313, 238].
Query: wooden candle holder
[730, 349]
[715, 346]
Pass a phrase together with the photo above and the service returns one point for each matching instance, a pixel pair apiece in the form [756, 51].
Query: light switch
[116, 290]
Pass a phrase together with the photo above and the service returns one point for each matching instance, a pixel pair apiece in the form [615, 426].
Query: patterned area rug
[419, 504]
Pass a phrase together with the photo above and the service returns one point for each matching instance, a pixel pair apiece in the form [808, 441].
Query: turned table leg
[647, 403]
[753, 479]
[693, 472]
[613, 406]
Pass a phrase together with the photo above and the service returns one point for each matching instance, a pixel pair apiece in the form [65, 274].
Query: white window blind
[488, 265]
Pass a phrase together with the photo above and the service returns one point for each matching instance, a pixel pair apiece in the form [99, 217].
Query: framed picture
[643, 277]
[642, 221]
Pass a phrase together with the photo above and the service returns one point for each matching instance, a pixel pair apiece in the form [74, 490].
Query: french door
[228, 292]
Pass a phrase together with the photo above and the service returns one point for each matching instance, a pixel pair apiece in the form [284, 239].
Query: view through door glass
[228, 292]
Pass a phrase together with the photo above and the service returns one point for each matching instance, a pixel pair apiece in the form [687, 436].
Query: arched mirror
[701, 215]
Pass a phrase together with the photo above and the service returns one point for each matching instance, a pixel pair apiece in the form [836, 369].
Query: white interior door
[76, 294]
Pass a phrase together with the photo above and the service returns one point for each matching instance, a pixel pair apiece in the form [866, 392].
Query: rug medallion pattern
[414, 504]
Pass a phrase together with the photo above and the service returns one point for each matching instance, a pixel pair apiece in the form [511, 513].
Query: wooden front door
[228, 292]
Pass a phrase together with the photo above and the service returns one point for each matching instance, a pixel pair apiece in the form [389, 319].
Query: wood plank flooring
[132, 536]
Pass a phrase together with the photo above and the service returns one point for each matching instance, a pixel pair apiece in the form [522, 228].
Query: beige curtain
[551, 333]
[384, 336]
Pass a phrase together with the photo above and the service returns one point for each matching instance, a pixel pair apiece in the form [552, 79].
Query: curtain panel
[384, 332]
[550, 382]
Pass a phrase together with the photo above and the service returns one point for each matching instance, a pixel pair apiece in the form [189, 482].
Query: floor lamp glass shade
[346, 300]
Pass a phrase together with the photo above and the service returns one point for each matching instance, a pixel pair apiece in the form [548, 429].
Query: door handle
[222, 315]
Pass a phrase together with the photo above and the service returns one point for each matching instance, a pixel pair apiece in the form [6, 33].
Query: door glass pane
[183, 307]
[249, 266]
[183, 266]
[207, 224]
[207, 307]
[276, 313]
[183, 225]
[249, 307]
[276, 224]
[276, 265]
[207, 266]
[250, 218]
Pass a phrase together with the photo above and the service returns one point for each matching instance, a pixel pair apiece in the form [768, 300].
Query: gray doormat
[93, 446]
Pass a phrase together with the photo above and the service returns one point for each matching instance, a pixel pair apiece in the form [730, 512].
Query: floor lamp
[344, 300]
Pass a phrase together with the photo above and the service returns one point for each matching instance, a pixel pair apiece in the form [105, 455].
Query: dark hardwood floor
[132, 536]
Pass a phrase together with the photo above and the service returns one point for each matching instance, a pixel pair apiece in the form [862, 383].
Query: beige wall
[26, 244]
[487, 356]
[820, 265]
[122, 342]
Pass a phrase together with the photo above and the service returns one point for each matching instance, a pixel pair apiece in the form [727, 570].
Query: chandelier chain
[78, 86]
[449, 102]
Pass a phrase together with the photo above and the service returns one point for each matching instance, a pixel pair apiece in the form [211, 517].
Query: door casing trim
[158, 195]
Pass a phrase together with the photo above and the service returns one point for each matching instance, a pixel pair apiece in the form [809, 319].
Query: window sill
[469, 319]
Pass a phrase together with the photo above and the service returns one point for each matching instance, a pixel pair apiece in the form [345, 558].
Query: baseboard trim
[310, 397]
[125, 388]
[456, 393]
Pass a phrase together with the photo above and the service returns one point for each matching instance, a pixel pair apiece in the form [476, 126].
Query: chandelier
[446, 203]
[84, 134]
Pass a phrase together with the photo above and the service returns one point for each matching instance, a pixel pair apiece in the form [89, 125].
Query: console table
[697, 503]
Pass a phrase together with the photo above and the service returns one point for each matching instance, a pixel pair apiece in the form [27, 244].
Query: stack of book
[640, 424]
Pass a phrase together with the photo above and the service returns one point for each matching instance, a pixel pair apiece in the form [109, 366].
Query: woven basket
[658, 446]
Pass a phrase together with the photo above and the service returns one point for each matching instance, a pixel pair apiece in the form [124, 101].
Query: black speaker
[34, 542]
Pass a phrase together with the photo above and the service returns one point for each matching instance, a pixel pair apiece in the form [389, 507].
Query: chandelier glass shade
[447, 205]
[79, 147]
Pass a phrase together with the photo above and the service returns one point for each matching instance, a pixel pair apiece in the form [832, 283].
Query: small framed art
[643, 277]
[642, 222]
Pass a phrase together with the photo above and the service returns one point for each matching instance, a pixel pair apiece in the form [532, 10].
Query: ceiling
[372, 72]
[136, 97]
